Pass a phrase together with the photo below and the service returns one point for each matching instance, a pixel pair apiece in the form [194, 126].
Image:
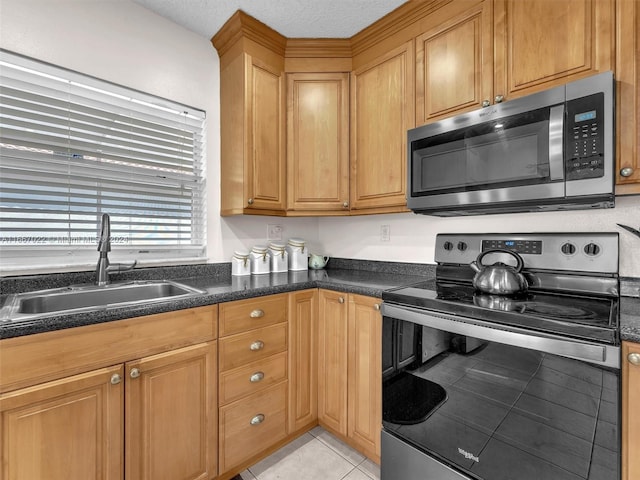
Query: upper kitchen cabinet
[318, 143]
[454, 61]
[382, 100]
[252, 110]
[476, 53]
[628, 96]
[540, 44]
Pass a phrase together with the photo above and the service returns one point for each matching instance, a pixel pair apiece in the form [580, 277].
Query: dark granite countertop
[218, 286]
[221, 287]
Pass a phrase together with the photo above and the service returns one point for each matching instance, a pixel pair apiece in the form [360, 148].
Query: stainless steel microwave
[552, 150]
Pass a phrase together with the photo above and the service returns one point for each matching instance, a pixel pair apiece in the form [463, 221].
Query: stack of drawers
[252, 394]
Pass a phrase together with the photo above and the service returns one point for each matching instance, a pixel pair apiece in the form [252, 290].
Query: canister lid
[259, 249]
[296, 242]
[242, 254]
[276, 246]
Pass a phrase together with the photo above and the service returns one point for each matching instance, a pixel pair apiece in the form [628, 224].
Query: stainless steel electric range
[479, 384]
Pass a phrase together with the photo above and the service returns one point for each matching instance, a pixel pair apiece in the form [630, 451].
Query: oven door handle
[607, 355]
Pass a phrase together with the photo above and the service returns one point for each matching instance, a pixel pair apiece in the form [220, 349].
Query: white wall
[122, 42]
[412, 236]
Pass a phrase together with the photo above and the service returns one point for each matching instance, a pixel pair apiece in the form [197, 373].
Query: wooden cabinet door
[541, 43]
[303, 359]
[332, 360]
[318, 141]
[628, 96]
[68, 429]
[264, 155]
[365, 374]
[171, 419]
[454, 64]
[382, 110]
[630, 413]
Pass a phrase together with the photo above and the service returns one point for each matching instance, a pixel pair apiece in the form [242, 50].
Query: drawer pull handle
[256, 377]
[376, 306]
[257, 420]
[115, 379]
[257, 313]
[257, 345]
[341, 300]
[134, 373]
[634, 358]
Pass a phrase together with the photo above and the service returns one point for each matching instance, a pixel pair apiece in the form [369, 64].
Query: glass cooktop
[579, 316]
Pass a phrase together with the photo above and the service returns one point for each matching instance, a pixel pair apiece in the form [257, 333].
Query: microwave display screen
[501, 155]
[583, 117]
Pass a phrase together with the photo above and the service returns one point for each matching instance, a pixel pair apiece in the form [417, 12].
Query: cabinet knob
[498, 99]
[626, 172]
[634, 359]
[485, 103]
[341, 300]
[345, 204]
[257, 345]
[257, 420]
[115, 379]
[256, 377]
[134, 373]
[376, 306]
[250, 201]
[257, 313]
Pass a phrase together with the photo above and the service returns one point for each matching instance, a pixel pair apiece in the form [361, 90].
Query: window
[73, 147]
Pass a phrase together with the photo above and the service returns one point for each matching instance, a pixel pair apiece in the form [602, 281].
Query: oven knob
[462, 246]
[448, 246]
[568, 248]
[591, 249]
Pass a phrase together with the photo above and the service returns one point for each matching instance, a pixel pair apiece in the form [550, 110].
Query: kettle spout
[474, 267]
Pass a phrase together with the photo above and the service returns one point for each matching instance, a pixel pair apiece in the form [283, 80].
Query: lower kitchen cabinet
[303, 359]
[133, 399]
[253, 380]
[350, 369]
[160, 408]
[630, 411]
[67, 429]
[170, 419]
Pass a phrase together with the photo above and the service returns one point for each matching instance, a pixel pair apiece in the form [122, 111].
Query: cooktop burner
[572, 315]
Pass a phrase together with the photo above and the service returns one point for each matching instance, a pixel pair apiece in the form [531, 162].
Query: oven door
[477, 402]
[510, 152]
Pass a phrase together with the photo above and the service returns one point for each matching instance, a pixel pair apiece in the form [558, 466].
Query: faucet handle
[121, 267]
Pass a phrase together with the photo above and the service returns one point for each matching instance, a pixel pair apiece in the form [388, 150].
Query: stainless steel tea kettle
[499, 278]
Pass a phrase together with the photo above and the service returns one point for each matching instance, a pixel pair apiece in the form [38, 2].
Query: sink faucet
[104, 268]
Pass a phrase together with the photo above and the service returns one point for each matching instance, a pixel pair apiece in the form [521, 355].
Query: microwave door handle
[556, 142]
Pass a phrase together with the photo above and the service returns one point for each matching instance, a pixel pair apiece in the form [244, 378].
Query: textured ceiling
[291, 18]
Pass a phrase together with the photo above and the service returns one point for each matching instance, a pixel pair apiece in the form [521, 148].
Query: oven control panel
[579, 252]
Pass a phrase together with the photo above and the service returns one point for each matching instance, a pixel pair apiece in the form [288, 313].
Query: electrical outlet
[274, 232]
[385, 233]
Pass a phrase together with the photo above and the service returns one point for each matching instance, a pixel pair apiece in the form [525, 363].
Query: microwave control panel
[584, 145]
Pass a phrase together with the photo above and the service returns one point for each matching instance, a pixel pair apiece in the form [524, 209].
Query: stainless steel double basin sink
[86, 298]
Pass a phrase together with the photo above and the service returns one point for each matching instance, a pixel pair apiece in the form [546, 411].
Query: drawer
[243, 315]
[252, 425]
[252, 378]
[243, 348]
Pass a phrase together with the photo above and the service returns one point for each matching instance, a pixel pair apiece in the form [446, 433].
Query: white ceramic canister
[240, 264]
[298, 254]
[260, 260]
[279, 257]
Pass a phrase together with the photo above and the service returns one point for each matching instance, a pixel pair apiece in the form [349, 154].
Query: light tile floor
[316, 455]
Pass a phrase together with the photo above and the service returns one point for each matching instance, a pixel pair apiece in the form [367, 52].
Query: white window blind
[73, 147]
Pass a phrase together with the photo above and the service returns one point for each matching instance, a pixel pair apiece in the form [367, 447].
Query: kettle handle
[515, 255]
